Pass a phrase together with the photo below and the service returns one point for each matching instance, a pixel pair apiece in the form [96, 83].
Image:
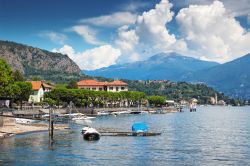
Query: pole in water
[51, 126]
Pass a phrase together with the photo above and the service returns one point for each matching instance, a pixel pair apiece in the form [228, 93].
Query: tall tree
[157, 100]
[18, 76]
[6, 79]
[72, 85]
[25, 90]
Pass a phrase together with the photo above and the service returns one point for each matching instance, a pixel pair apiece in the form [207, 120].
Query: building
[47, 87]
[115, 86]
[37, 91]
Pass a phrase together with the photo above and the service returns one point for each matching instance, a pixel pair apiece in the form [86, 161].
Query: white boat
[101, 113]
[83, 118]
[25, 121]
[125, 112]
[90, 134]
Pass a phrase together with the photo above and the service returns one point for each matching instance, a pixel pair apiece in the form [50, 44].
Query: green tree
[157, 100]
[36, 78]
[24, 92]
[72, 85]
[6, 79]
[18, 76]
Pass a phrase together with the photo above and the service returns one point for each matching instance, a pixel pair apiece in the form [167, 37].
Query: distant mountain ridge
[171, 66]
[35, 61]
[232, 78]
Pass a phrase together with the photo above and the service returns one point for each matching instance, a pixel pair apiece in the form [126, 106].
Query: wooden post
[51, 126]
[1, 119]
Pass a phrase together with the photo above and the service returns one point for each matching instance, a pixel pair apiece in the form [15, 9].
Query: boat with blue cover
[139, 129]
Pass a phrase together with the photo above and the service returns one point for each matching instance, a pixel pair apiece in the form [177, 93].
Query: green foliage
[23, 91]
[36, 78]
[81, 97]
[50, 101]
[18, 76]
[176, 90]
[6, 80]
[157, 100]
[72, 85]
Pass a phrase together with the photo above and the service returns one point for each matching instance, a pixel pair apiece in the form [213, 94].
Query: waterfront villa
[115, 86]
[37, 91]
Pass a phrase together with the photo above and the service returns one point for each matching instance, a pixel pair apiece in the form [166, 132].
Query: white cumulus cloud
[113, 20]
[149, 35]
[213, 34]
[126, 41]
[87, 33]
[92, 59]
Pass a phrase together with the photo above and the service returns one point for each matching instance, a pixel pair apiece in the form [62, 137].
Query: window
[111, 88]
[93, 88]
[100, 89]
[122, 88]
[117, 88]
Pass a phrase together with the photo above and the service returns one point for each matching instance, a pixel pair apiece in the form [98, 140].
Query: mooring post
[51, 126]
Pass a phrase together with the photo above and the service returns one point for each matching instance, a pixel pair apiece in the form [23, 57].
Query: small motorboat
[25, 121]
[90, 134]
[83, 118]
[102, 113]
[139, 129]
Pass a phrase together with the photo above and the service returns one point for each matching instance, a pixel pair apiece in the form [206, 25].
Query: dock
[127, 133]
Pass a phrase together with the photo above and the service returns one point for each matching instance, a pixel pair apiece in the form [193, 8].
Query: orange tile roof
[90, 83]
[117, 83]
[97, 83]
[36, 85]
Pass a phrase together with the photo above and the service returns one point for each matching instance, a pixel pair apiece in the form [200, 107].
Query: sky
[100, 33]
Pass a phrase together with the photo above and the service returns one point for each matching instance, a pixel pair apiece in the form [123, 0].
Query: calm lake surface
[210, 136]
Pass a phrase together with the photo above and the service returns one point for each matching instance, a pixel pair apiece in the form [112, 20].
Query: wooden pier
[127, 133]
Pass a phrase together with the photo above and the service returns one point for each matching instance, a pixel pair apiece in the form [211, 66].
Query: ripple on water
[210, 136]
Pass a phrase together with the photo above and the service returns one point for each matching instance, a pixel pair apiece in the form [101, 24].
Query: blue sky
[99, 33]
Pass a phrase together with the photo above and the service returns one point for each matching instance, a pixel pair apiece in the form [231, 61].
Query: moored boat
[90, 134]
[139, 129]
[25, 121]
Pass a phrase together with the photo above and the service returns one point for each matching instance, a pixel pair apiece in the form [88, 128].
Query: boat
[115, 113]
[139, 112]
[102, 113]
[90, 134]
[139, 129]
[83, 118]
[25, 121]
[125, 112]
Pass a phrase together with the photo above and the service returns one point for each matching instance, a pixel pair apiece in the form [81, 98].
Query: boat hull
[91, 136]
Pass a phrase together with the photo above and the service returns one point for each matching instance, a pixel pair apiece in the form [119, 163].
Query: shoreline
[10, 128]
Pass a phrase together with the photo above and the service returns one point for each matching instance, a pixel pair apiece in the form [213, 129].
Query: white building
[37, 92]
[115, 86]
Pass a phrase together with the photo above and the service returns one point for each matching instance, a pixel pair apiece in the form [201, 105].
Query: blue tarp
[139, 127]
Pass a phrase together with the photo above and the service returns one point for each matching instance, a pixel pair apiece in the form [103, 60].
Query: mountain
[37, 62]
[170, 66]
[232, 78]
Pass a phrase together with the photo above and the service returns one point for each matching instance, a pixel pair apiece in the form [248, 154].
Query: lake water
[210, 136]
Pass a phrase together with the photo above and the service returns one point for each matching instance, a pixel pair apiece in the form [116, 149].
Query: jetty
[127, 133]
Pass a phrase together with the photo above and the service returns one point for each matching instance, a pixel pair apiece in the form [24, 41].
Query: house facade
[37, 92]
[115, 86]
